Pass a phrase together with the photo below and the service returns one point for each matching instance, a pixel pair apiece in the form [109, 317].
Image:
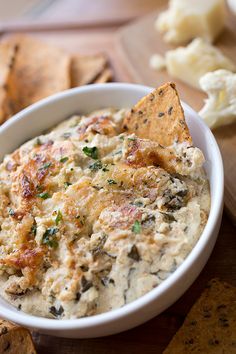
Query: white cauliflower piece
[190, 63]
[187, 19]
[220, 106]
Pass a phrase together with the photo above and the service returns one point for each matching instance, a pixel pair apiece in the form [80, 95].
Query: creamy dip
[86, 225]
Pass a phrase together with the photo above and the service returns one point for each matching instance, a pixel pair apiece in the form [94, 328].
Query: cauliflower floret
[220, 106]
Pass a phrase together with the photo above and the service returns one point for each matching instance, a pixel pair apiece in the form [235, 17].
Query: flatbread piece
[7, 56]
[15, 339]
[86, 69]
[105, 76]
[39, 70]
[159, 117]
[210, 326]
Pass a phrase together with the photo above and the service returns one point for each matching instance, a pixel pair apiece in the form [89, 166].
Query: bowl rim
[42, 323]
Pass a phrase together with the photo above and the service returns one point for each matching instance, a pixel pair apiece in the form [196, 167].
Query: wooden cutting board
[136, 43]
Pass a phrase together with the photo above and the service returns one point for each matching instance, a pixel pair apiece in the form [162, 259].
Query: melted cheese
[92, 223]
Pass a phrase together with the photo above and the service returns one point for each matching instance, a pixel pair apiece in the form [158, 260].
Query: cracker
[210, 326]
[86, 69]
[15, 339]
[7, 56]
[105, 76]
[159, 117]
[39, 70]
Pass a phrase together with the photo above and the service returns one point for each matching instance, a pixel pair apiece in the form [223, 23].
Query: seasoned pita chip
[39, 70]
[105, 76]
[15, 339]
[159, 117]
[7, 56]
[210, 326]
[86, 69]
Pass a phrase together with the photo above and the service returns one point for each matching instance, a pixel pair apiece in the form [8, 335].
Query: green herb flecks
[96, 166]
[111, 181]
[91, 152]
[138, 204]
[38, 142]
[64, 159]
[45, 166]
[49, 237]
[58, 217]
[136, 228]
[43, 195]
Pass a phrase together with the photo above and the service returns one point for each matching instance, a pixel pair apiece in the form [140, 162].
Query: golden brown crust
[15, 339]
[159, 117]
[210, 326]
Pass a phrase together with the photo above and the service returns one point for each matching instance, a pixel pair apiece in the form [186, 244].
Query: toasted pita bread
[39, 70]
[159, 117]
[15, 339]
[86, 69]
[105, 76]
[7, 56]
[210, 326]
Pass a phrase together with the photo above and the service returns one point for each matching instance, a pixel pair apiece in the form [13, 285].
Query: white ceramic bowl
[34, 120]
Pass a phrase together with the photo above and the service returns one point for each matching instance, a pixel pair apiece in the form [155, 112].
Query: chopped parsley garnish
[64, 159]
[91, 152]
[132, 139]
[43, 195]
[11, 212]
[138, 204]
[121, 137]
[58, 217]
[49, 238]
[96, 166]
[45, 166]
[67, 184]
[38, 142]
[111, 181]
[39, 188]
[136, 228]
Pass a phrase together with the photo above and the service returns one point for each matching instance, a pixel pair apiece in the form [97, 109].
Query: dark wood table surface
[88, 27]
